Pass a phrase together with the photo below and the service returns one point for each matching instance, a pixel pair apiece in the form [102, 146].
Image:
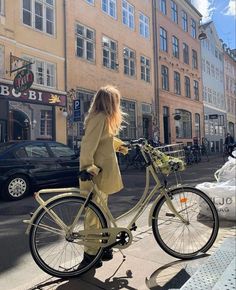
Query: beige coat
[97, 148]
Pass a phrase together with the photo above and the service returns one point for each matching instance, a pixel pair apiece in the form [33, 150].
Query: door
[166, 125]
[146, 127]
[67, 163]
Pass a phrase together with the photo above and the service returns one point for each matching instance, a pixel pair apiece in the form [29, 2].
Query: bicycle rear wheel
[54, 252]
[175, 237]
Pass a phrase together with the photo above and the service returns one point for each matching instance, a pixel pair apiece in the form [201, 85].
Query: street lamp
[202, 36]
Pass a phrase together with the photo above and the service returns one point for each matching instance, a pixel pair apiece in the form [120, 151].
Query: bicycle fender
[30, 222]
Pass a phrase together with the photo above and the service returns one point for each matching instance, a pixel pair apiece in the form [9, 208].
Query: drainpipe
[155, 65]
[65, 56]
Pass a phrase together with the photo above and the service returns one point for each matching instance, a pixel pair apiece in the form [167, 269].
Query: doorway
[3, 131]
[166, 125]
[19, 126]
[146, 127]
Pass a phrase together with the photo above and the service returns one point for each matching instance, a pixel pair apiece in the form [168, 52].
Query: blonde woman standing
[98, 154]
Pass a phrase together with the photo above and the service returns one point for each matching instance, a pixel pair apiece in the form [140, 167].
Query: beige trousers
[92, 222]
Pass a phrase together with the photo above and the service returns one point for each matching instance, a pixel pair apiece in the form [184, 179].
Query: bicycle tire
[59, 264]
[168, 231]
[139, 162]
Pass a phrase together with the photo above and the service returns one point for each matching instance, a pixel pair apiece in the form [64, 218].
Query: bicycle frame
[92, 236]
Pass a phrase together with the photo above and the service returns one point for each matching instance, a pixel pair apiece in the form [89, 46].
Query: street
[17, 266]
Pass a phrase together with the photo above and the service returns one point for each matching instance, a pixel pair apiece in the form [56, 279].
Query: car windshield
[5, 146]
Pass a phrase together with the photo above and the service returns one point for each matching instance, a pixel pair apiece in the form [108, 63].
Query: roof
[193, 7]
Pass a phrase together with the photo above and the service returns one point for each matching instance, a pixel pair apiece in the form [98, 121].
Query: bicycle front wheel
[181, 240]
[55, 252]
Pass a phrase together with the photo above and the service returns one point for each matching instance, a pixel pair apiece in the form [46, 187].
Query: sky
[223, 13]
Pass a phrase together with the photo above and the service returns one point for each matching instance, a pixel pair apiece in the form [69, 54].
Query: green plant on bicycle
[57, 236]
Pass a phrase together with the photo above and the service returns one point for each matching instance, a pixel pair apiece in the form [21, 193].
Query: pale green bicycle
[57, 236]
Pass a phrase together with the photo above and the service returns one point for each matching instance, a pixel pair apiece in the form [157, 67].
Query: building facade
[115, 49]
[213, 88]
[32, 31]
[179, 72]
[230, 88]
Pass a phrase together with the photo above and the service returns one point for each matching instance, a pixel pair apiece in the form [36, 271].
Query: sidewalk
[146, 266]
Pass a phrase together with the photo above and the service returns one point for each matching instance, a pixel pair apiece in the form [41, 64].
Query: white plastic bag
[223, 196]
[227, 171]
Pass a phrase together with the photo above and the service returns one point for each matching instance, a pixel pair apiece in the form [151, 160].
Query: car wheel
[16, 187]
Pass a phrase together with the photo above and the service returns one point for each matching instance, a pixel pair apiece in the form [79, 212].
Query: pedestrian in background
[98, 155]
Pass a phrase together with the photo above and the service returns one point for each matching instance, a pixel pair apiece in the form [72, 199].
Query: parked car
[26, 166]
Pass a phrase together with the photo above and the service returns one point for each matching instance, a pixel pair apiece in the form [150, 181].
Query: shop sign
[32, 96]
[23, 80]
[76, 111]
[213, 116]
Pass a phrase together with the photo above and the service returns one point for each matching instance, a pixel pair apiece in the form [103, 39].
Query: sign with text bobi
[32, 96]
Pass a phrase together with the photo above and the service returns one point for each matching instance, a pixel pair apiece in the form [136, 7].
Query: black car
[26, 166]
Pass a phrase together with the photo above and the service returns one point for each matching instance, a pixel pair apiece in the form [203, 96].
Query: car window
[60, 150]
[5, 146]
[36, 151]
[20, 153]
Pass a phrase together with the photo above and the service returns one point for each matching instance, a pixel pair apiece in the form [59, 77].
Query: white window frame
[184, 21]
[43, 76]
[48, 130]
[193, 28]
[174, 12]
[163, 39]
[106, 6]
[144, 27]
[33, 14]
[128, 14]
[129, 61]
[146, 65]
[175, 46]
[107, 46]
[86, 41]
[163, 7]
[2, 7]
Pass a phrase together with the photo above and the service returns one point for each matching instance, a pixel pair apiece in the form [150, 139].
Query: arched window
[184, 125]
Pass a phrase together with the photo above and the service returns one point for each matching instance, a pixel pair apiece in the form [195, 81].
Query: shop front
[30, 115]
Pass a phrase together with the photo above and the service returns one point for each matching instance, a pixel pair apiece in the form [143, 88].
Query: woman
[98, 154]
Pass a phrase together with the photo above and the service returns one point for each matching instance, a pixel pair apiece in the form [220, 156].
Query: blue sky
[222, 12]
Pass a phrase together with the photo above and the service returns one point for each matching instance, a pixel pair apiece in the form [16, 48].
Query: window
[185, 53]
[145, 68]
[129, 62]
[194, 59]
[109, 7]
[44, 72]
[165, 77]
[37, 151]
[196, 90]
[193, 28]
[187, 87]
[177, 85]
[175, 46]
[144, 25]
[163, 39]
[197, 126]
[184, 125]
[212, 70]
[46, 123]
[85, 42]
[90, 1]
[1, 7]
[2, 62]
[129, 128]
[184, 21]
[60, 150]
[39, 14]
[174, 12]
[128, 14]
[163, 6]
[109, 53]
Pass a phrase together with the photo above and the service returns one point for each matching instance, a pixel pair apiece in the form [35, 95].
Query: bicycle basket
[166, 163]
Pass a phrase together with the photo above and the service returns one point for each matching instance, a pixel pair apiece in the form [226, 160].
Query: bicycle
[134, 158]
[57, 236]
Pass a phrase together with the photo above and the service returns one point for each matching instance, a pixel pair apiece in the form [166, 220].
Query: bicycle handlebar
[230, 149]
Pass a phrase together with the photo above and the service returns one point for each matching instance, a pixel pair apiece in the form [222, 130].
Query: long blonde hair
[107, 101]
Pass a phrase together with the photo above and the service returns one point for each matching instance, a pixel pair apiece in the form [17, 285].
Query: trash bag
[223, 196]
[227, 171]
